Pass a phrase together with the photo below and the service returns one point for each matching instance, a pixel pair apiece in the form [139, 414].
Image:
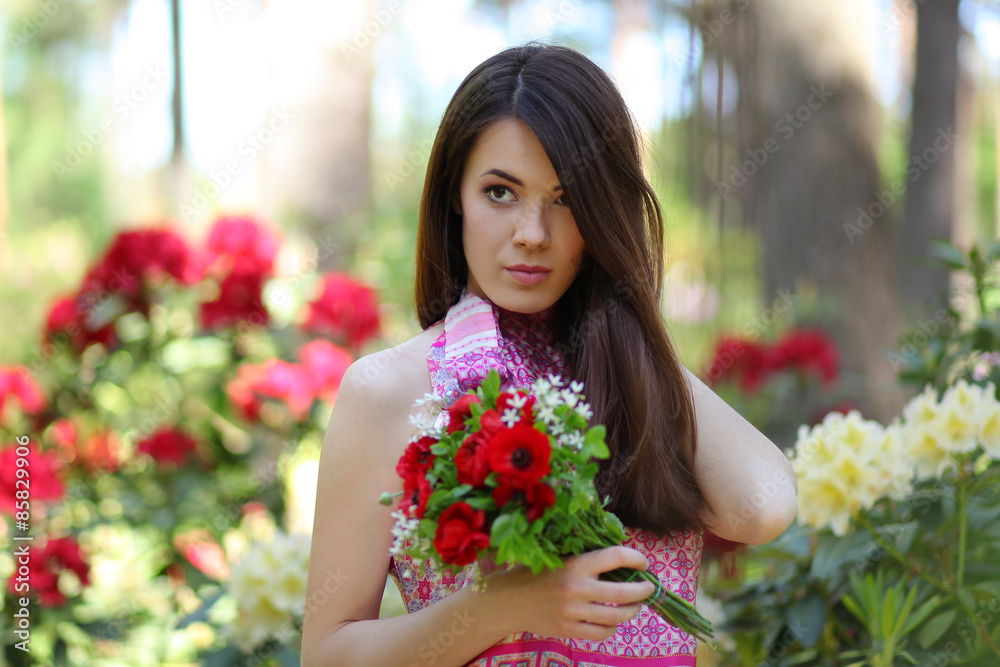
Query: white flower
[574, 439]
[988, 418]
[555, 380]
[584, 411]
[269, 586]
[517, 401]
[576, 387]
[546, 414]
[541, 386]
[510, 417]
[569, 398]
[844, 465]
[434, 398]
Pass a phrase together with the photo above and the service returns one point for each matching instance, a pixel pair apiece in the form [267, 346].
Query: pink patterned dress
[478, 336]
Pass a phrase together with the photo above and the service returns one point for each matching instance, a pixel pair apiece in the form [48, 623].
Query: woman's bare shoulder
[397, 374]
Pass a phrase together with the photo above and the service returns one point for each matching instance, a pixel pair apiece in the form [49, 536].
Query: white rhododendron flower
[845, 464]
[269, 586]
[966, 416]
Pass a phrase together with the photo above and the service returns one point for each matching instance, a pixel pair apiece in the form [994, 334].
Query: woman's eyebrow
[513, 179]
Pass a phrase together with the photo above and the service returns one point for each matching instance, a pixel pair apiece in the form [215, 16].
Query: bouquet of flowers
[511, 479]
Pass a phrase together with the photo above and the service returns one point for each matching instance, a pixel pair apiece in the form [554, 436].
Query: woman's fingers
[610, 558]
[622, 592]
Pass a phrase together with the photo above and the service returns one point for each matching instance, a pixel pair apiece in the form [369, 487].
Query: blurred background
[319, 117]
[807, 156]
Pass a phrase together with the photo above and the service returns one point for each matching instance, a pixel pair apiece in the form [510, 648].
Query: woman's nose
[530, 227]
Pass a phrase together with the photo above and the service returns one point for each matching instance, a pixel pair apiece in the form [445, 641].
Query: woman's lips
[528, 277]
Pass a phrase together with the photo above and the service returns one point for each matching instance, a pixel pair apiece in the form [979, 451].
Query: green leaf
[490, 387]
[949, 255]
[921, 614]
[808, 616]
[481, 503]
[935, 628]
[853, 607]
[888, 623]
[461, 490]
[967, 598]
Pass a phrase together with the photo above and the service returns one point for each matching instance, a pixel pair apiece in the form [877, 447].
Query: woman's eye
[499, 193]
[562, 201]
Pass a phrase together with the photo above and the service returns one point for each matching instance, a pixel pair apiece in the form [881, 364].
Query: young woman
[540, 251]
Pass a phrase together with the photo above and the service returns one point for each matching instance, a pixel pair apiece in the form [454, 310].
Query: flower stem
[962, 528]
[670, 606]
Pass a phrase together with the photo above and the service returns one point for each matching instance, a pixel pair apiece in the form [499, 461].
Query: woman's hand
[567, 602]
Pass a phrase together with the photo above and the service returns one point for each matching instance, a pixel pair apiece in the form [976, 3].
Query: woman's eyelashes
[501, 194]
[505, 196]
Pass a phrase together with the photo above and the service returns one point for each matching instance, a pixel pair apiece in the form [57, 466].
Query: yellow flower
[989, 426]
[924, 448]
[844, 465]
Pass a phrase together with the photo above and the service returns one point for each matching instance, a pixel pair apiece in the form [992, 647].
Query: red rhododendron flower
[45, 483]
[520, 453]
[527, 412]
[242, 245]
[417, 458]
[345, 309]
[100, 452]
[747, 362]
[18, 383]
[809, 351]
[240, 300]
[46, 565]
[416, 491]
[725, 551]
[66, 318]
[63, 433]
[460, 534]
[536, 496]
[139, 258]
[326, 364]
[204, 553]
[459, 411]
[277, 379]
[168, 445]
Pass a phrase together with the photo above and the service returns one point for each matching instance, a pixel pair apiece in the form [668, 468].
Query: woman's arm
[747, 481]
[349, 559]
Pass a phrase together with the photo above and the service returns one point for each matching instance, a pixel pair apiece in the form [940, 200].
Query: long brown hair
[608, 324]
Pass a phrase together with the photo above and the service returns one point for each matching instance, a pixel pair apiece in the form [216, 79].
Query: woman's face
[514, 216]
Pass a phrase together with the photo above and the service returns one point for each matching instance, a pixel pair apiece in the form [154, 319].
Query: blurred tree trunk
[809, 170]
[317, 169]
[930, 195]
[177, 165]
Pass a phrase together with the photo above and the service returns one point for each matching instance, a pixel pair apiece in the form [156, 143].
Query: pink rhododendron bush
[157, 452]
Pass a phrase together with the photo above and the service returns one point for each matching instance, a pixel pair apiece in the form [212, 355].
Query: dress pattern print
[479, 336]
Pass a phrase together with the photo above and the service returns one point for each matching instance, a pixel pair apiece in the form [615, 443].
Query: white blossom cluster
[423, 425]
[550, 394]
[848, 463]
[269, 586]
